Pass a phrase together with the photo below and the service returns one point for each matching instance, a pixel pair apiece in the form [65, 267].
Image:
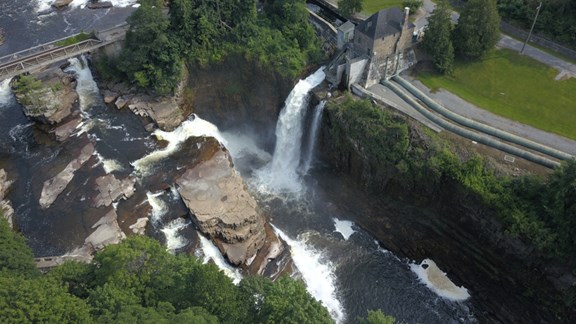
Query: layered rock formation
[111, 189]
[53, 187]
[47, 97]
[222, 207]
[5, 204]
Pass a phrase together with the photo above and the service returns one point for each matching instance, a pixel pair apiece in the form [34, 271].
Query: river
[310, 206]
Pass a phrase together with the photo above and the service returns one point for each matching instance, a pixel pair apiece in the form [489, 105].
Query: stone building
[375, 49]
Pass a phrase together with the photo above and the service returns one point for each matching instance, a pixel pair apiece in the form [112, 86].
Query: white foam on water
[312, 138]
[125, 3]
[42, 5]
[159, 207]
[437, 281]
[86, 87]
[343, 227]
[173, 238]
[6, 95]
[189, 128]
[109, 165]
[317, 274]
[281, 175]
[209, 252]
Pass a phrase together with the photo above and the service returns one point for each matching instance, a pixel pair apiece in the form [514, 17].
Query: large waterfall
[87, 88]
[5, 93]
[281, 174]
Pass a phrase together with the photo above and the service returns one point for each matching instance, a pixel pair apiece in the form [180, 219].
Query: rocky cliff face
[447, 223]
[224, 210]
[5, 205]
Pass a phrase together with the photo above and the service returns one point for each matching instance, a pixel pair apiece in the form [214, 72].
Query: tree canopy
[350, 7]
[478, 28]
[438, 39]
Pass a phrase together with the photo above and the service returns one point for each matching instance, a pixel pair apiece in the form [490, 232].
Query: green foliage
[26, 85]
[16, 258]
[377, 317]
[413, 5]
[438, 39]
[478, 28]
[350, 7]
[38, 300]
[82, 36]
[284, 301]
[521, 13]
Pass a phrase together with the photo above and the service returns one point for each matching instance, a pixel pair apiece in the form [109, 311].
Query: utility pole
[531, 28]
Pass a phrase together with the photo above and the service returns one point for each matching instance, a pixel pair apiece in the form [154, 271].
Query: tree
[377, 317]
[350, 7]
[16, 257]
[412, 4]
[478, 29]
[438, 38]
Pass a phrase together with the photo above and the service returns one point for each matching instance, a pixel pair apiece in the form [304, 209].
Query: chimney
[406, 14]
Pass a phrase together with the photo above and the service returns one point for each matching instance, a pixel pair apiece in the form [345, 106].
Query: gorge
[355, 251]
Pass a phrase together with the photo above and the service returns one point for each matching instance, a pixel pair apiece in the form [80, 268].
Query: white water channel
[312, 138]
[6, 95]
[209, 252]
[86, 87]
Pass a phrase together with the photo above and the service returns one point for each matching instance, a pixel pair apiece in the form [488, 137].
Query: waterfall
[159, 207]
[315, 125]
[209, 251]
[281, 174]
[5, 93]
[88, 92]
[317, 273]
[171, 231]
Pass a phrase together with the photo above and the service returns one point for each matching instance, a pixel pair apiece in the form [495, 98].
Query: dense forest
[278, 38]
[537, 209]
[557, 19]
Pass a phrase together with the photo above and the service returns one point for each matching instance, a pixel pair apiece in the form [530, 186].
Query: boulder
[55, 186]
[109, 96]
[58, 4]
[111, 189]
[166, 114]
[64, 131]
[107, 232]
[122, 101]
[99, 5]
[140, 226]
[222, 207]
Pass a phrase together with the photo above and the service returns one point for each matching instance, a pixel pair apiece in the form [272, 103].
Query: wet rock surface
[222, 207]
[111, 190]
[5, 204]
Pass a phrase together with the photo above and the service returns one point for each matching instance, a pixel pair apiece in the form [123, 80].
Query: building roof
[346, 26]
[383, 23]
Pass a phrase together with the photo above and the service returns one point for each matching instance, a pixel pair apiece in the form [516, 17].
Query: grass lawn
[372, 6]
[516, 87]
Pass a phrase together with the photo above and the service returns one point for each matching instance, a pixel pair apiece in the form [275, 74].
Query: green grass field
[516, 87]
[372, 6]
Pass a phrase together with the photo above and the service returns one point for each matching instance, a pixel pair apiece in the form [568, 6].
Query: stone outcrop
[55, 186]
[64, 131]
[58, 4]
[99, 5]
[107, 231]
[140, 226]
[111, 189]
[165, 111]
[222, 207]
[51, 100]
[5, 204]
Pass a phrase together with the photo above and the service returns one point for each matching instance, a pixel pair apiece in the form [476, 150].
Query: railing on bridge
[33, 58]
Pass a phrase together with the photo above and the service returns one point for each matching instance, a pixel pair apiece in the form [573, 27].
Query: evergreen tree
[478, 28]
[438, 39]
[349, 7]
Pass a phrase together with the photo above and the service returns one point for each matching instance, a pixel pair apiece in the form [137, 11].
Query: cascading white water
[87, 88]
[209, 251]
[189, 128]
[6, 95]
[171, 232]
[281, 174]
[159, 207]
[318, 275]
[314, 126]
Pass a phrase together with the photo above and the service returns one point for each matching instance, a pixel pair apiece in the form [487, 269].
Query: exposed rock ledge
[5, 205]
[53, 187]
[223, 208]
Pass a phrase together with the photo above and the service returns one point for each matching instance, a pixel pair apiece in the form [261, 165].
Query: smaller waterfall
[312, 138]
[5, 93]
[87, 88]
[281, 174]
[209, 252]
[317, 274]
[189, 128]
[171, 231]
[159, 207]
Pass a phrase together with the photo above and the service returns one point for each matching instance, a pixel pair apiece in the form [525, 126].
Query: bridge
[43, 55]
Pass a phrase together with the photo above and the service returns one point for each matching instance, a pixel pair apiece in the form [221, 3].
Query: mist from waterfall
[312, 137]
[281, 175]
